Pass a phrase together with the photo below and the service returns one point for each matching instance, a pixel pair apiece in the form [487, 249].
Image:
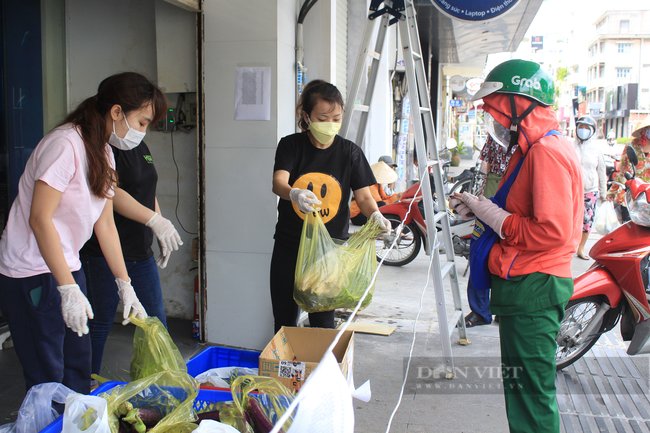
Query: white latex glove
[386, 227]
[486, 210]
[168, 238]
[162, 259]
[130, 300]
[75, 308]
[305, 199]
[456, 204]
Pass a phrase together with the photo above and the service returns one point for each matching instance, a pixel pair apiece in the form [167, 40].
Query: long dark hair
[129, 90]
[313, 92]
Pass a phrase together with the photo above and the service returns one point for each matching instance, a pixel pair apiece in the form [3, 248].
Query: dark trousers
[285, 309]
[47, 349]
[103, 297]
[479, 301]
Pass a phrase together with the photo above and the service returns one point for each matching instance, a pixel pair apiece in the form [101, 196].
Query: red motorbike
[415, 230]
[614, 289]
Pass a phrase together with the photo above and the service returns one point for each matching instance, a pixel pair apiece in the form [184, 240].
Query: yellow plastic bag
[153, 349]
[272, 400]
[171, 392]
[330, 275]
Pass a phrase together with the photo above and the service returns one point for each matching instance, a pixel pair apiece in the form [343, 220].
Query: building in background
[618, 70]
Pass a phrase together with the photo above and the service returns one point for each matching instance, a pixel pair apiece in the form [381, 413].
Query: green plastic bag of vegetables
[263, 409]
[331, 274]
[153, 349]
[171, 393]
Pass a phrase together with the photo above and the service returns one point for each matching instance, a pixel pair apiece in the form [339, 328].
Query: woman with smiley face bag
[315, 169]
[537, 216]
[65, 192]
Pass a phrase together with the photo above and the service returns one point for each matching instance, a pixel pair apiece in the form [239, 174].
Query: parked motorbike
[614, 289]
[415, 231]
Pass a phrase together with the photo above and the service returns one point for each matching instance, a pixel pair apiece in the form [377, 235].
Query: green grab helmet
[519, 77]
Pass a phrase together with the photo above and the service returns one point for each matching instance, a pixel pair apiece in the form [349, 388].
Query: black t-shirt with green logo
[137, 176]
[332, 174]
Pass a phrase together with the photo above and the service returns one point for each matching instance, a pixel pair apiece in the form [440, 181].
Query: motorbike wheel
[406, 248]
[463, 185]
[577, 316]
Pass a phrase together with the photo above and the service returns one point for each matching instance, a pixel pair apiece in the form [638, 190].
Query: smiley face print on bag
[327, 190]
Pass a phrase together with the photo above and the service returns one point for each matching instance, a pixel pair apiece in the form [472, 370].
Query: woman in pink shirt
[64, 193]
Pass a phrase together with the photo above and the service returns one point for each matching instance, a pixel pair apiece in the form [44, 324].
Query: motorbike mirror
[631, 156]
[451, 143]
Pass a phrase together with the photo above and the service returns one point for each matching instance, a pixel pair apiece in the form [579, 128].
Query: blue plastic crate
[217, 356]
[203, 401]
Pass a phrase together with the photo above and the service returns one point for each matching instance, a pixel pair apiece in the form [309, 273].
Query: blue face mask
[647, 133]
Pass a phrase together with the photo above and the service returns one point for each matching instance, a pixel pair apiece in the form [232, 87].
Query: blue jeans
[479, 301]
[48, 350]
[102, 294]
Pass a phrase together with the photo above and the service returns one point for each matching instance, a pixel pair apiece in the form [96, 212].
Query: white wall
[104, 38]
[240, 207]
[320, 41]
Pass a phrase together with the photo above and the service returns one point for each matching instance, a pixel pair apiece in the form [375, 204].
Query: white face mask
[131, 140]
[583, 134]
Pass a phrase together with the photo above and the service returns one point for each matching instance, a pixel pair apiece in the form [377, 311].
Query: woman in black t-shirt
[138, 220]
[315, 169]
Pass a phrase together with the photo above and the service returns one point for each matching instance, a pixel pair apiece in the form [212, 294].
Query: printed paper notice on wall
[253, 93]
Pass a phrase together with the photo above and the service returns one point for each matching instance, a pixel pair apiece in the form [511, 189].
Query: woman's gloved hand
[130, 300]
[75, 308]
[168, 238]
[486, 210]
[457, 205]
[305, 199]
[386, 227]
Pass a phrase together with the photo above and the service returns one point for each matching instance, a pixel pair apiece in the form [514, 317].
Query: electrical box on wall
[167, 123]
[190, 109]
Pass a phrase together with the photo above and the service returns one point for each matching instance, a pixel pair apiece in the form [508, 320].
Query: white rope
[294, 404]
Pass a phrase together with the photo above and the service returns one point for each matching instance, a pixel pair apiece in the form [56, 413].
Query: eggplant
[259, 420]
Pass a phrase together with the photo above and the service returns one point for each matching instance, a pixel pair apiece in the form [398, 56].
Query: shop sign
[474, 85]
[455, 102]
[457, 83]
[474, 10]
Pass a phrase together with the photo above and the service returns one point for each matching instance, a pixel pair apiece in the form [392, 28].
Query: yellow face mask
[324, 132]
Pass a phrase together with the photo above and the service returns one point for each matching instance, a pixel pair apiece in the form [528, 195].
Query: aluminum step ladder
[382, 14]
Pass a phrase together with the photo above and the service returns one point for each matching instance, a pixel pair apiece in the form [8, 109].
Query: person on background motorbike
[389, 188]
[315, 161]
[641, 145]
[384, 175]
[531, 229]
[593, 175]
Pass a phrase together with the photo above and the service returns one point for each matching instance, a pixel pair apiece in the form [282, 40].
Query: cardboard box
[294, 353]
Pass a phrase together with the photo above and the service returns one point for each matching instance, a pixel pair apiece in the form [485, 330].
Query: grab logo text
[525, 82]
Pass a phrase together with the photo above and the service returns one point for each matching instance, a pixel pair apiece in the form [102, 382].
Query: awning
[468, 43]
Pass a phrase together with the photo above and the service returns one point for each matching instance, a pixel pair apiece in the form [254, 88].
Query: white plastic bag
[606, 219]
[212, 426]
[36, 411]
[76, 406]
[217, 376]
